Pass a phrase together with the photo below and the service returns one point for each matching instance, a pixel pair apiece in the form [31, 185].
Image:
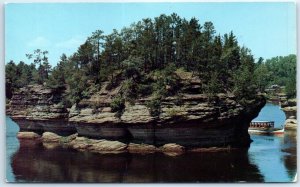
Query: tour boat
[264, 127]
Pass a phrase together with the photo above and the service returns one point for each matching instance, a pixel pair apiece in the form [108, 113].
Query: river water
[269, 159]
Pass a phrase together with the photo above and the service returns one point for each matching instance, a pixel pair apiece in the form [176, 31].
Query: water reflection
[32, 162]
[12, 145]
[271, 155]
[269, 159]
[289, 147]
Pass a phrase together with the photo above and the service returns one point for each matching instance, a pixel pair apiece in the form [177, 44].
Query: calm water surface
[269, 159]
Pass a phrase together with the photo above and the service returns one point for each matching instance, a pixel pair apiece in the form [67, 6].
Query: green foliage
[244, 84]
[281, 68]
[244, 87]
[213, 86]
[144, 89]
[132, 68]
[159, 88]
[154, 106]
[77, 85]
[40, 58]
[277, 71]
[117, 105]
[165, 82]
[150, 57]
[11, 78]
[112, 83]
[290, 88]
[17, 76]
[129, 90]
[263, 77]
[57, 78]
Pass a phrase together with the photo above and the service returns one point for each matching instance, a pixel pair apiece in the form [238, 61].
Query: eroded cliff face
[193, 120]
[290, 109]
[39, 109]
[35, 102]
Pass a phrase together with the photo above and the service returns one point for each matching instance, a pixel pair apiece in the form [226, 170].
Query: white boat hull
[266, 131]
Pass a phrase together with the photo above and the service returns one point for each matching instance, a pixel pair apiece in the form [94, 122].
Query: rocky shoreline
[197, 122]
[51, 140]
[290, 109]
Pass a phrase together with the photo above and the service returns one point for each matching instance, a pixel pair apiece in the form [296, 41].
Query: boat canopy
[262, 121]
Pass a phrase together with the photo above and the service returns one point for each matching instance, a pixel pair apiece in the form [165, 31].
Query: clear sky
[268, 29]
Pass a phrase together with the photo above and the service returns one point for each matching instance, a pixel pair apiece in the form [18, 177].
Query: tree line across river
[145, 57]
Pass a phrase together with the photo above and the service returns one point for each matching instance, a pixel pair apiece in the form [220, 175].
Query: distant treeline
[144, 57]
[277, 71]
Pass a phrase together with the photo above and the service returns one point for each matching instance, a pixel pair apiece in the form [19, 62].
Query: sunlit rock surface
[196, 121]
[290, 109]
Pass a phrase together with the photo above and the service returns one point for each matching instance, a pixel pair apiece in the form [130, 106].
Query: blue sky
[268, 29]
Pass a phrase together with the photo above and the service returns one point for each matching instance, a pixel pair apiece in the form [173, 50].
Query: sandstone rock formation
[28, 135]
[290, 109]
[291, 124]
[196, 121]
[141, 148]
[172, 147]
[51, 140]
[50, 137]
[39, 109]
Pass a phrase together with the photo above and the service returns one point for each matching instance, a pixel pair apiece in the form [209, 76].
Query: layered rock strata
[39, 109]
[51, 140]
[290, 109]
[195, 121]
